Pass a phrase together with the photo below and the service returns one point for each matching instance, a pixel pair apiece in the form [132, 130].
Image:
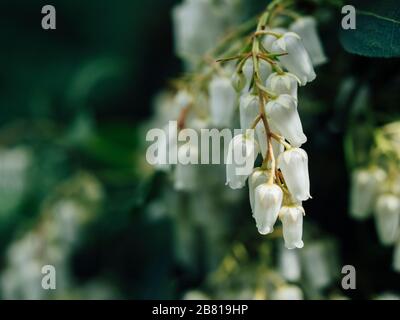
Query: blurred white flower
[306, 28]
[197, 26]
[288, 292]
[186, 171]
[316, 265]
[289, 264]
[396, 257]
[387, 218]
[364, 188]
[222, 101]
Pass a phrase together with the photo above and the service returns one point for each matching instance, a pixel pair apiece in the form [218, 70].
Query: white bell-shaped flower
[297, 60]
[285, 117]
[248, 71]
[277, 147]
[396, 257]
[222, 101]
[288, 292]
[248, 110]
[269, 39]
[187, 170]
[289, 264]
[387, 218]
[267, 203]
[292, 222]
[242, 152]
[257, 177]
[294, 166]
[285, 83]
[364, 188]
[306, 28]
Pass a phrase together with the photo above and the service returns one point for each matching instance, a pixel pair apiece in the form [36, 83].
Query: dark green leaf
[377, 32]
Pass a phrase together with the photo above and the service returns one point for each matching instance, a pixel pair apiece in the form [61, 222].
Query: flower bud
[238, 81]
[285, 117]
[248, 110]
[387, 218]
[242, 152]
[285, 83]
[306, 28]
[364, 188]
[294, 166]
[267, 202]
[222, 101]
[297, 60]
[257, 177]
[292, 221]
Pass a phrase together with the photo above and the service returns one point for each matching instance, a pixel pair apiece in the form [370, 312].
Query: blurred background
[76, 191]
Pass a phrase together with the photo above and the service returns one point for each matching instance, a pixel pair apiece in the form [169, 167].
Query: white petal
[242, 152]
[248, 109]
[294, 166]
[283, 84]
[285, 117]
[292, 221]
[297, 60]
[258, 176]
[267, 202]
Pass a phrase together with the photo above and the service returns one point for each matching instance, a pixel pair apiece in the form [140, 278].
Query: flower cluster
[267, 78]
[376, 188]
[51, 241]
[258, 75]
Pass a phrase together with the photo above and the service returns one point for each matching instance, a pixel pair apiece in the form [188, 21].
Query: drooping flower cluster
[375, 188]
[259, 74]
[267, 78]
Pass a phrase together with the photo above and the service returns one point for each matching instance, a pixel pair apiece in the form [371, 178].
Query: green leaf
[377, 32]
